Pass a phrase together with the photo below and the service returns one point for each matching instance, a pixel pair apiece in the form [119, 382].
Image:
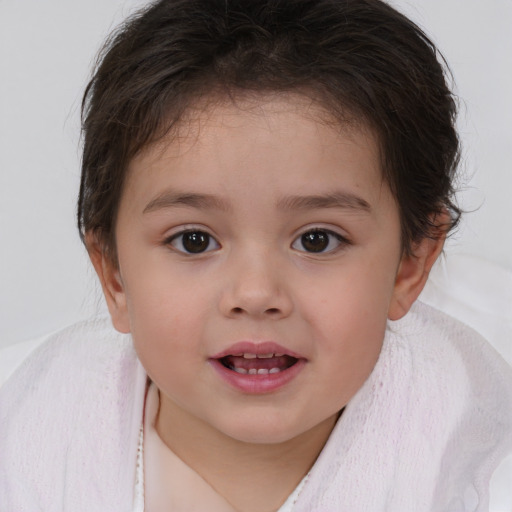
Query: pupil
[196, 241]
[315, 241]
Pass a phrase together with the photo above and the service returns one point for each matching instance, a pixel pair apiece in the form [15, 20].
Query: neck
[238, 470]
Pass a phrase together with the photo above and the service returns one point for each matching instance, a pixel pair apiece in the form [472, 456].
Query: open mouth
[257, 369]
[258, 364]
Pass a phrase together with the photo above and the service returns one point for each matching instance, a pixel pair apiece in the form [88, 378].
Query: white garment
[69, 424]
[424, 433]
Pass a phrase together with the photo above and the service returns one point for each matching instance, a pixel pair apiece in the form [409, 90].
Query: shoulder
[446, 345]
[12, 356]
[79, 349]
[476, 292]
[478, 379]
[73, 400]
[443, 329]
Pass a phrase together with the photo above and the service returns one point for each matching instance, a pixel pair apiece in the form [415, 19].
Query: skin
[252, 164]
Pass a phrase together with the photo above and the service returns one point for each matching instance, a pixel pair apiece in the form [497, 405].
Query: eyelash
[207, 243]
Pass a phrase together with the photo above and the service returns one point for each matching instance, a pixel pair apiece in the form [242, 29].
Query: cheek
[157, 293]
[348, 313]
[166, 339]
[356, 294]
[164, 310]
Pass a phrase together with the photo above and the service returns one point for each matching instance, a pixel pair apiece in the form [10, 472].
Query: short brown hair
[357, 56]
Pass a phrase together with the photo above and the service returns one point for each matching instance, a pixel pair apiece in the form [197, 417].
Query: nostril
[269, 311]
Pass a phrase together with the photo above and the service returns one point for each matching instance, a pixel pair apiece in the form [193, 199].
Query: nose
[255, 286]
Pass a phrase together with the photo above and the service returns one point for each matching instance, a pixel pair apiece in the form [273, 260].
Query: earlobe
[413, 273]
[111, 283]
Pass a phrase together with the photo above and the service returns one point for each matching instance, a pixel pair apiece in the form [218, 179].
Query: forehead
[286, 141]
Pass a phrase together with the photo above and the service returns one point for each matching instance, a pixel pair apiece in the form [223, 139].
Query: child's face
[261, 230]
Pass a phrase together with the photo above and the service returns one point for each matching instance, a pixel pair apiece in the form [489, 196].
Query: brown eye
[318, 241]
[193, 242]
[315, 241]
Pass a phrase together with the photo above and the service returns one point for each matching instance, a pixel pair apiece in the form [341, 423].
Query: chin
[263, 432]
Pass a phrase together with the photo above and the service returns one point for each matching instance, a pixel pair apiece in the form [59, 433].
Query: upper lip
[256, 348]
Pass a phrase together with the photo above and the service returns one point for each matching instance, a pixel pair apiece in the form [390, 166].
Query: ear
[111, 282]
[414, 269]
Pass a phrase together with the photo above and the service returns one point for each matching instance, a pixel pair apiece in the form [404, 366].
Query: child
[265, 188]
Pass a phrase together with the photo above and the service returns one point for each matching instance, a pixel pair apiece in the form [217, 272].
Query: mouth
[258, 368]
[249, 363]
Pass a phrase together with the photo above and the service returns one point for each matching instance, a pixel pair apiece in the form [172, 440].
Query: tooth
[252, 371]
[263, 371]
[240, 370]
[274, 370]
[278, 355]
[250, 356]
[265, 356]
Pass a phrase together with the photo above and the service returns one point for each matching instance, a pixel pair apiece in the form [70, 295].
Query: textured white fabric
[476, 292]
[424, 433]
[138, 500]
[479, 293]
[69, 424]
[12, 356]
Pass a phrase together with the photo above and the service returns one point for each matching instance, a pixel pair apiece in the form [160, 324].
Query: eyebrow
[172, 199]
[343, 200]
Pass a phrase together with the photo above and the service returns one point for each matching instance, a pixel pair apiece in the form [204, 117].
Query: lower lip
[258, 384]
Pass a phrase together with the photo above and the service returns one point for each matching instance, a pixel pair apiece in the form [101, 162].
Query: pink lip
[257, 384]
[248, 347]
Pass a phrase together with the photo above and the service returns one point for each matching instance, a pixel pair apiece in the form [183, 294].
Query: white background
[46, 53]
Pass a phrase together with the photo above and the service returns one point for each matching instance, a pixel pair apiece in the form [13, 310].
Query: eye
[193, 242]
[318, 241]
